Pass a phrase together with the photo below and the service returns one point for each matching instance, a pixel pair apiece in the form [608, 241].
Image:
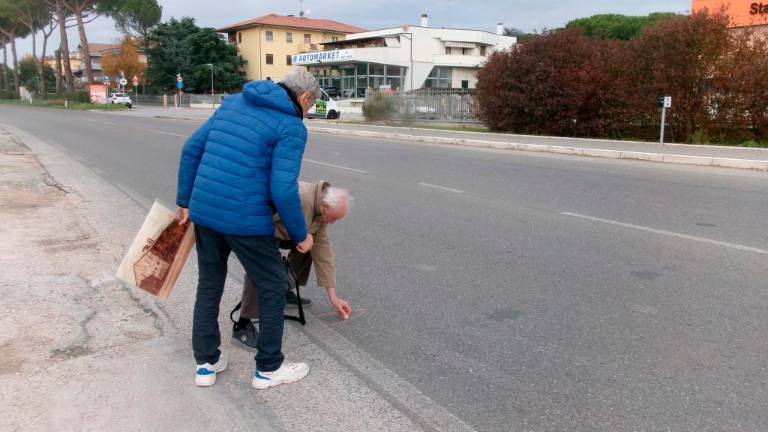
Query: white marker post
[664, 103]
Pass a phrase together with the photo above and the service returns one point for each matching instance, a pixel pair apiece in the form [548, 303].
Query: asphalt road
[520, 291]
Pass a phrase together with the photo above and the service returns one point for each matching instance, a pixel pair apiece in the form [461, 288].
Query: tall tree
[4, 71]
[37, 15]
[134, 18]
[57, 70]
[615, 26]
[126, 62]
[84, 11]
[62, 13]
[180, 46]
[12, 28]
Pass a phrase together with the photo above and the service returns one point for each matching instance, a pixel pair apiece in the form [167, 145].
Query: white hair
[300, 81]
[333, 196]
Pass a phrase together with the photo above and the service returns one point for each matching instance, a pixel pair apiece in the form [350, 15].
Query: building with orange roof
[267, 43]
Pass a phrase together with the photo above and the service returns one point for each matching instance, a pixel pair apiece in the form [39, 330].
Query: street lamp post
[213, 93]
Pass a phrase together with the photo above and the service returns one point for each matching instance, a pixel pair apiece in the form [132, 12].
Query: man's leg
[261, 260]
[212, 254]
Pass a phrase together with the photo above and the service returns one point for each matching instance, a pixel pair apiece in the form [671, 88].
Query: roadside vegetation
[574, 82]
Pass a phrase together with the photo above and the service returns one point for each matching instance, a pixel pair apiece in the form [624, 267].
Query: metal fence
[185, 100]
[457, 105]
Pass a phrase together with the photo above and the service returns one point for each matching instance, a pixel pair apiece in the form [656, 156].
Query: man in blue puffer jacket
[235, 171]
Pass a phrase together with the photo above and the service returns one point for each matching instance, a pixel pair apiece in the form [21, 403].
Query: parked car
[333, 92]
[121, 99]
[325, 107]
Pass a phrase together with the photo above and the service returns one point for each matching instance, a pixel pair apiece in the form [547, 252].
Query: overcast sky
[526, 15]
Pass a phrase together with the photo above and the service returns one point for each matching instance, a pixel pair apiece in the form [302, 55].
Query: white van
[325, 107]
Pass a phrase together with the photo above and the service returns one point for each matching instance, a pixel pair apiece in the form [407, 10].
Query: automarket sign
[321, 56]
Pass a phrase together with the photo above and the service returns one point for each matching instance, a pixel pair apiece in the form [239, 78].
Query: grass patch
[472, 128]
[59, 103]
[754, 144]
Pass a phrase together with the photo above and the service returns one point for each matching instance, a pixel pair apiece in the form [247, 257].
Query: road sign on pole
[664, 103]
[135, 81]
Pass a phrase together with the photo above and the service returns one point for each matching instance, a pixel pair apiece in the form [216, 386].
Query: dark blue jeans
[261, 259]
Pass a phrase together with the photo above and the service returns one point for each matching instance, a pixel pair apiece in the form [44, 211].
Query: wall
[255, 47]
[459, 74]
[739, 10]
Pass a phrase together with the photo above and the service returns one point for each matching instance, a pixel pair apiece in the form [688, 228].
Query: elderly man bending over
[321, 205]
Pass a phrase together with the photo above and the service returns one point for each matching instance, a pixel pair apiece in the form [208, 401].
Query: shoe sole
[263, 385]
[237, 342]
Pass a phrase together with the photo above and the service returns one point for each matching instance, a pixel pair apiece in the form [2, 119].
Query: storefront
[407, 58]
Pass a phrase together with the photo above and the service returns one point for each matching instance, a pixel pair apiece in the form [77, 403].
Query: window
[466, 51]
[288, 60]
[269, 59]
[448, 50]
[440, 77]
[239, 37]
[289, 37]
[482, 50]
[270, 36]
[334, 38]
[307, 38]
[465, 84]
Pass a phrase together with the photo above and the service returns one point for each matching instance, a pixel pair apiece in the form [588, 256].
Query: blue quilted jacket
[246, 157]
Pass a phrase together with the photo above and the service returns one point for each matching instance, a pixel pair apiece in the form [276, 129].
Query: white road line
[163, 132]
[336, 166]
[671, 234]
[441, 187]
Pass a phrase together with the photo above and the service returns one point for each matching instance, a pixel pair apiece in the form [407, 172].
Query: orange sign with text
[743, 13]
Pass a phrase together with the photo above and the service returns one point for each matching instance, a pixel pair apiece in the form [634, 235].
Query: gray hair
[333, 196]
[300, 81]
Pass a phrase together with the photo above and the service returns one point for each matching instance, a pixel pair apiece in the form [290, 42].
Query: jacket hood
[267, 94]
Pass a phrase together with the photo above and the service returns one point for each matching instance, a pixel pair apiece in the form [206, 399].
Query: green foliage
[8, 94]
[30, 78]
[754, 144]
[81, 96]
[519, 34]
[133, 17]
[180, 46]
[619, 27]
[378, 106]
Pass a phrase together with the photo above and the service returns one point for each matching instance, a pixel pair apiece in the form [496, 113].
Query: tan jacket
[311, 195]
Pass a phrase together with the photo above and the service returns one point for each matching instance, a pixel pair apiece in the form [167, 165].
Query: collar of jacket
[321, 186]
[294, 99]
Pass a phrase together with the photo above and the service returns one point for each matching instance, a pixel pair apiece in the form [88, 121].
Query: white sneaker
[205, 375]
[288, 373]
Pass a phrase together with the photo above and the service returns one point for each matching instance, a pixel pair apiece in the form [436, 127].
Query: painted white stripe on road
[670, 234]
[336, 166]
[429, 185]
[163, 132]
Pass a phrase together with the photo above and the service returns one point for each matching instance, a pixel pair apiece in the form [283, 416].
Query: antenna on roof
[301, 10]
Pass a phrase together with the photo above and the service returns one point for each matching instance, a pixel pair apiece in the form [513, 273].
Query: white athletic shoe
[205, 374]
[287, 373]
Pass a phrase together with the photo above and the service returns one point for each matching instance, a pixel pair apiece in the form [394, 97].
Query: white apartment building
[407, 58]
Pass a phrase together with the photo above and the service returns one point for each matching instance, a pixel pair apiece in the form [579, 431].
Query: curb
[761, 165]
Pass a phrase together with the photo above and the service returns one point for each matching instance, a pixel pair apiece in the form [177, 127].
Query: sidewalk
[83, 351]
[685, 154]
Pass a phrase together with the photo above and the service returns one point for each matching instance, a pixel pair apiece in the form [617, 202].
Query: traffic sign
[180, 85]
[667, 101]
[135, 80]
[105, 79]
[123, 81]
[179, 78]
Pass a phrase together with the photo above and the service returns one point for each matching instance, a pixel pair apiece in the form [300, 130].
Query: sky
[526, 15]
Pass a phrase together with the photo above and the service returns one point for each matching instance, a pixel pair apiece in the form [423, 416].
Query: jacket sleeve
[191, 154]
[284, 180]
[323, 258]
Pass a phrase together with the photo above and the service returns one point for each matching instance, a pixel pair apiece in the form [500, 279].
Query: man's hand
[306, 245]
[182, 215]
[342, 307]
